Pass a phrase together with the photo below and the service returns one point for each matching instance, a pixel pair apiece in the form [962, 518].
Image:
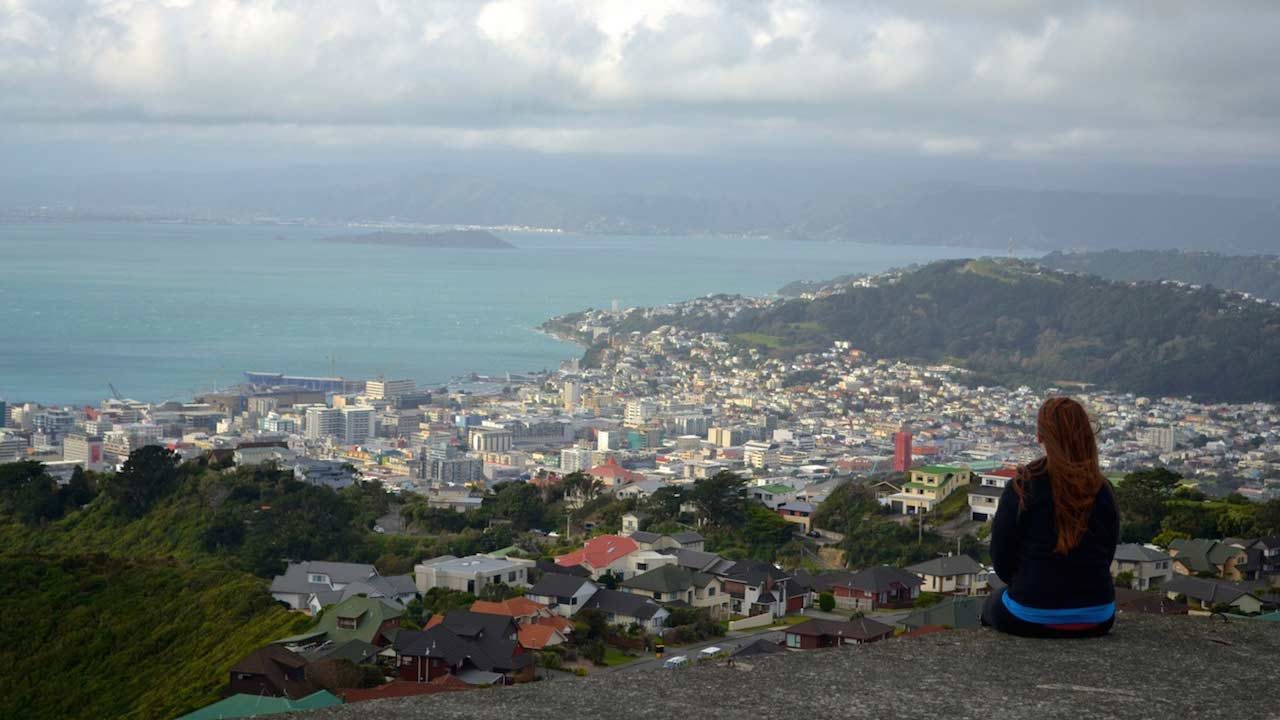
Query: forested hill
[1255, 274]
[1016, 322]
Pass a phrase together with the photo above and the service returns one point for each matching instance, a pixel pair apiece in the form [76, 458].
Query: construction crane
[114, 392]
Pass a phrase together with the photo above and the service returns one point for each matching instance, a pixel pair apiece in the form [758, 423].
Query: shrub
[826, 602]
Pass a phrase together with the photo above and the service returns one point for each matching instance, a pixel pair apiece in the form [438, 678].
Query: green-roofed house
[927, 486]
[772, 494]
[1200, 557]
[250, 706]
[673, 584]
[372, 620]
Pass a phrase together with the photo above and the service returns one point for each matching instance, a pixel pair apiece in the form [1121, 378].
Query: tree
[826, 602]
[79, 491]
[518, 502]
[581, 488]
[1141, 499]
[847, 505]
[28, 493]
[150, 473]
[720, 498]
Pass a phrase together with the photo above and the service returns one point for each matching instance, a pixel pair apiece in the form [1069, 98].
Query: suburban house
[1261, 561]
[1206, 594]
[472, 573]
[674, 584]
[928, 486]
[272, 670]
[1129, 600]
[612, 475]
[631, 523]
[642, 561]
[815, 634]
[1149, 567]
[370, 620]
[686, 540]
[871, 589]
[797, 512]
[984, 496]
[623, 608]
[952, 575]
[476, 648]
[563, 594]
[310, 586]
[700, 561]
[755, 588]
[1207, 557]
[538, 627]
[601, 554]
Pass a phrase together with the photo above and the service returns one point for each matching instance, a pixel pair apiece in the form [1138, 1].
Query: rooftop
[1151, 667]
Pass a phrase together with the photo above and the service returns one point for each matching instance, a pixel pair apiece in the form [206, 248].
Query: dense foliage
[1154, 506]
[1257, 275]
[96, 636]
[1014, 322]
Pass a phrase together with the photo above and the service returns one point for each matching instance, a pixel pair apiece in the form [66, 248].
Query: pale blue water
[165, 310]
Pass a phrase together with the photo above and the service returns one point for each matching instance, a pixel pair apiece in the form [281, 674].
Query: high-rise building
[357, 424]
[1162, 439]
[901, 451]
[4, 414]
[84, 449]
[639, 412]
[572, 394]
[760, 454]
[386, 389]
[54, 422]
[322, 422]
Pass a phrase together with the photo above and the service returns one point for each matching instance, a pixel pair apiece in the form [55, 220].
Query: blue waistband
[1062, 616]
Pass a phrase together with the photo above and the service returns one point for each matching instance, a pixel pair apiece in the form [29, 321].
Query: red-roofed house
[521, 609]
[601, 554]
[611, 474]
[537, 636]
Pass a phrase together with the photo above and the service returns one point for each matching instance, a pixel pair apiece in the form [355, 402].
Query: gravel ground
[1162, 668]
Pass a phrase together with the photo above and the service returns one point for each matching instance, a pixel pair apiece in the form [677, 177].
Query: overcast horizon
[1065, 94]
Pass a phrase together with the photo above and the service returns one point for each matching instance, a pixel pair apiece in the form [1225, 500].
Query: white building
[471, 573]
[85, 450]
[386, 389]
[357, 424]
[639, 412]
[759, 454]
[323, 422]
[491, 439]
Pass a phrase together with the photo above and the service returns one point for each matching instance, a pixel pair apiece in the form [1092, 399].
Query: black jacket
[1022, 550]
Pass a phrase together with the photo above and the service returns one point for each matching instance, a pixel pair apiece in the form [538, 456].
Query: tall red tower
[901, 451]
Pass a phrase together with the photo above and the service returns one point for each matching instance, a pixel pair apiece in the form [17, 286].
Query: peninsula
[469, 239]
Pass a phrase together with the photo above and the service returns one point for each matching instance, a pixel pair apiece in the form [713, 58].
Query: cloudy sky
[1148, 83]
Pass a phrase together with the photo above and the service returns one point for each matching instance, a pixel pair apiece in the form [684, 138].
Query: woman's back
[1024, 538]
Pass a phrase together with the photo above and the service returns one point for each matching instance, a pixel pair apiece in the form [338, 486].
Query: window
[318, 578]
[711, 591]
[793, 641]
[641, 567]
[347, 623]
[511, 576]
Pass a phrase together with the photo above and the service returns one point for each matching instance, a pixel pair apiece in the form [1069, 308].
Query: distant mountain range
[1016, 322]
[937, 214]
[1257, 275]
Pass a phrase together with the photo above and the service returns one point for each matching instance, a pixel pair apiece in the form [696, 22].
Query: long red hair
[1071, 462]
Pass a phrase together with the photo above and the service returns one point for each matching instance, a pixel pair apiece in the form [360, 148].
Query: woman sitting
[1054, 534]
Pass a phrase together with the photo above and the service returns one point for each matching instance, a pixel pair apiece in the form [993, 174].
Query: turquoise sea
[167, 310]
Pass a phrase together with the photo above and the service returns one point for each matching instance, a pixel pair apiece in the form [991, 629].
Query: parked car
[675, 662]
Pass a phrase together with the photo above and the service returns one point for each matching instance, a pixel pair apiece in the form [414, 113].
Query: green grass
[759, 339]
[92, 636]
[953, 506]
[613, 657]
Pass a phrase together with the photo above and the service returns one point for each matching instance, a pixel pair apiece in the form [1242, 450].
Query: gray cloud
[1147, 82]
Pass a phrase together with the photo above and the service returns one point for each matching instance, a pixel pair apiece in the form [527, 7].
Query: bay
[164, 311]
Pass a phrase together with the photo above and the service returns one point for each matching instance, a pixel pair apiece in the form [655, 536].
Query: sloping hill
[1015, 322]
[1255, 274]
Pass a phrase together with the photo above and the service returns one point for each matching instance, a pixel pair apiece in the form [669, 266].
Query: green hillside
[1015, 322]
[1255, 274]
[96, 636]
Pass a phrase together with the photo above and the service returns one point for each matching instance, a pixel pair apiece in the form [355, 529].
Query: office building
[87, 450]
[323, 422]
[357, 424]
[386, 389]
[639, 412]
[485, 439]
